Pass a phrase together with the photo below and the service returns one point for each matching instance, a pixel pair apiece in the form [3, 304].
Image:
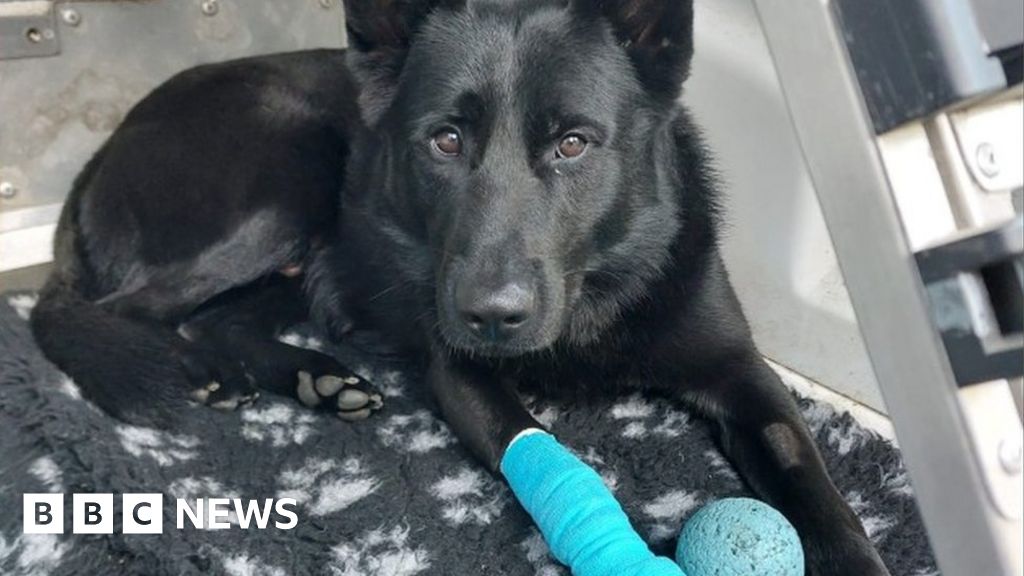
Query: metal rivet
[1011, 455]
[985, 156]
[33, 35]
[209, 7]
[70, 16]
[326, 4]
[7, 190]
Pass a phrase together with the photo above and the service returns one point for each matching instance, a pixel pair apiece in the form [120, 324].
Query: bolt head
[209, 7]
[70, 16]
[1011, 455]
[8, 190]
[985, 156]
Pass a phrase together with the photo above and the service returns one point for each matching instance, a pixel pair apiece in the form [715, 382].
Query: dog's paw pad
[331, 385]
[306, 390]
[352, 397]
[354, 405]
[202, 395]
[355, 415]
[235, 402]
[220, 397]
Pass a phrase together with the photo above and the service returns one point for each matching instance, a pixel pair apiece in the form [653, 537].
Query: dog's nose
[496, 315]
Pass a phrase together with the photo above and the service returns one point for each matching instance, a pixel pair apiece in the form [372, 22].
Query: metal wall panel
[776, 245]
[56, 110]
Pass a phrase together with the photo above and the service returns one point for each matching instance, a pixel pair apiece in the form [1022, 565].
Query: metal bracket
[915, 57]
[28, 29]
[991, 142]
[975, 288]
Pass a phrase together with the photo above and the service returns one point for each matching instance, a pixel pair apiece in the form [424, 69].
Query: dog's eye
[447, 142]
[571, 146]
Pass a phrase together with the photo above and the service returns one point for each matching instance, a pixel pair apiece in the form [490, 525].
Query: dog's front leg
[483, 412]
[758, 426]
[582, 523]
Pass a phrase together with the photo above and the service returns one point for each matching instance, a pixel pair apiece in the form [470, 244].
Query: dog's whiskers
[389, 290]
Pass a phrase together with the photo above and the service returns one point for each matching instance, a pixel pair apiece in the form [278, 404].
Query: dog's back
[223, 174]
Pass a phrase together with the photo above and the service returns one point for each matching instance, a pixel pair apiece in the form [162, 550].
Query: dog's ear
[657, 35]
[379, 34]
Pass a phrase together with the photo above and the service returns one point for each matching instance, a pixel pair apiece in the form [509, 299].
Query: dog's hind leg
[245, 323]
[140, 371]
[170, 292]
[133, 366]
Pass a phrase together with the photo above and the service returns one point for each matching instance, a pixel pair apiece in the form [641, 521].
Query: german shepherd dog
[508, 191]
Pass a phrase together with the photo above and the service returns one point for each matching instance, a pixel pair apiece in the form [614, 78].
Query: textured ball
[739, 537]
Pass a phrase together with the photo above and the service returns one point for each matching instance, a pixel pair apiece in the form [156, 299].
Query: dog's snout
[496, 315]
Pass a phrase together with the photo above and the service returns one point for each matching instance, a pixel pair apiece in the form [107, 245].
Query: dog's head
[528, 137]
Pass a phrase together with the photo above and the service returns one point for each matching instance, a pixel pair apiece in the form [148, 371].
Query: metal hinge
[28, 29]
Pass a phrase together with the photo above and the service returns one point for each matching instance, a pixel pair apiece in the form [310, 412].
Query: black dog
[508, 191]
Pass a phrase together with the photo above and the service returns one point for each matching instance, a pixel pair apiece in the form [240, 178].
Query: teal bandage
[584, 526]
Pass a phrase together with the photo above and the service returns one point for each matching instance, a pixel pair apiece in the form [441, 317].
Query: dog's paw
[217, 382]
[349, 395]
[224, 397]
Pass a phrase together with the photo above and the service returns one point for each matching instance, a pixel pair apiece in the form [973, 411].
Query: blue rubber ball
[739, 537]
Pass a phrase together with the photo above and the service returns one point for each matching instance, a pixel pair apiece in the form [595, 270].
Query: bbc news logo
[144, 513]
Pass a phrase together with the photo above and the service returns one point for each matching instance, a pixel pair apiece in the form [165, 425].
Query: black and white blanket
[392, 496]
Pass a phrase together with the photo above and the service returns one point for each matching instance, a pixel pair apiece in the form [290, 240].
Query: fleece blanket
[392, 496]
